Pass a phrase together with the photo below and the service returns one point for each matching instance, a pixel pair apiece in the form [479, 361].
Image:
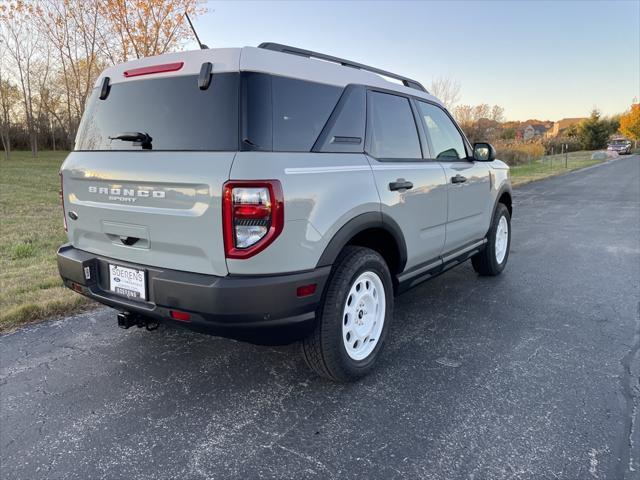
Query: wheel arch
[375, 230]
[505, 197]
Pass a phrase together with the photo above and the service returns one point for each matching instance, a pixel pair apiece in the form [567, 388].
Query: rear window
[173, 111]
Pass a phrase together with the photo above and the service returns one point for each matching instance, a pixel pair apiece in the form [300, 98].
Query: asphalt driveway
[533, 374]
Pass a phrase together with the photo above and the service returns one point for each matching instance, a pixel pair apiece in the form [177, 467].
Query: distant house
[563, 124]
[533, 131]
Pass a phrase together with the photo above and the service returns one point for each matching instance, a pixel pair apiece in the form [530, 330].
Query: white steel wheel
[363, 315]
[502, 239]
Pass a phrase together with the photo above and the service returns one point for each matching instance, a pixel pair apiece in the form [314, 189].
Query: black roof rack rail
[277, 47]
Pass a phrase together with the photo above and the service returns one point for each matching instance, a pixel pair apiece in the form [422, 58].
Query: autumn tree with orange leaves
[142, 28]
[630, 123]
[53, 51]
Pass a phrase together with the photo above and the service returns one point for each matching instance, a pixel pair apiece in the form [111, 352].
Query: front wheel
[492, 260]
[353, 319]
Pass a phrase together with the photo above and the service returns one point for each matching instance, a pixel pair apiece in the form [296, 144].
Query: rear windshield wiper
[143, 139]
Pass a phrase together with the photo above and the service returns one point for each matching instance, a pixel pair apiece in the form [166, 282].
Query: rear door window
[284, 114]
[300, 110]
[173, 111]
[392, 128]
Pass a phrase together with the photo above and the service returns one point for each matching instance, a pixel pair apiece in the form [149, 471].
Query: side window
[257, 121]
[392, 128]
[445, 138]
[300, 110]
[284, 114]
[344, 132]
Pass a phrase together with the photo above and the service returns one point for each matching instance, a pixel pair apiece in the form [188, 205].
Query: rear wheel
[353, 319]
[492, 260]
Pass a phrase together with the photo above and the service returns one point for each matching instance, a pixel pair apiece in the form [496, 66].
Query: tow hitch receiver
[128, 319]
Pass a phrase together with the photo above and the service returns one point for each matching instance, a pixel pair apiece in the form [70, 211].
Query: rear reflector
[165, 67]
[180, 316]
[306, 290]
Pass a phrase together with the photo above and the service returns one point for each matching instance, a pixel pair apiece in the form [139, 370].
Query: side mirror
[484, 152]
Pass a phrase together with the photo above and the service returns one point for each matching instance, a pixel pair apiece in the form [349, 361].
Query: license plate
[128, 282]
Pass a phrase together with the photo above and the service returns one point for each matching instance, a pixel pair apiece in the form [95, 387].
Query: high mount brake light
[252, 216]
[165, 67]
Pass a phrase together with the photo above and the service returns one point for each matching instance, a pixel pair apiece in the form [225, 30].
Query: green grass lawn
[31, 230]
[550, 165]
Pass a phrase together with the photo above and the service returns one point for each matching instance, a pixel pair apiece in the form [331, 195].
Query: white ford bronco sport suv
[274, 194]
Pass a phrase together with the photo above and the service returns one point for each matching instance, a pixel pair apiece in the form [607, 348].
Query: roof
[262, 60]
[277, 47]
[537, 126]
[567, 122]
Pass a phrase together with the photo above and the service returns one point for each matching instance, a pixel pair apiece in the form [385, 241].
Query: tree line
[52, 51]
[486, 123]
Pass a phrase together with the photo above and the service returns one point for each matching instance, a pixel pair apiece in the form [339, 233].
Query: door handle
[458, 179]
[400, 184]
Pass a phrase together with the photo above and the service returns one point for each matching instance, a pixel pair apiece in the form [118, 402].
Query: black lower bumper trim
[261, 309]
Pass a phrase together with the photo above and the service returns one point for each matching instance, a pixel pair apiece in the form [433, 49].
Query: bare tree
[464, 114]
[447, 90]
[468, 114]
[9, 97]
[22, 47]
[480, 122]
[53, 51]
[497, 114]
[72, 28]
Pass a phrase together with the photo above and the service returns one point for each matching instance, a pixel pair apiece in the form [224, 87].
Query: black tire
[323, 350]
[485, 262]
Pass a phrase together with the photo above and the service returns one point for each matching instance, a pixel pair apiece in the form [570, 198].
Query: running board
[421, 273]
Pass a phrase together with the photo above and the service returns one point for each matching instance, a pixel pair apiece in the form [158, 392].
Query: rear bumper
[260, 309]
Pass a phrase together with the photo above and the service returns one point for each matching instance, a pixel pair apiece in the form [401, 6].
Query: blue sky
[537, 59]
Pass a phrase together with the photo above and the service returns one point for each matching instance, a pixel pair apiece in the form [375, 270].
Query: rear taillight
[61, 194]
[252, 216]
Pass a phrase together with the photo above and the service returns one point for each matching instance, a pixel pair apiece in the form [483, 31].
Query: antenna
[202, 45]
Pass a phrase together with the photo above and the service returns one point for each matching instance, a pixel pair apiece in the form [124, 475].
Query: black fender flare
[506, 188]
[359, 224]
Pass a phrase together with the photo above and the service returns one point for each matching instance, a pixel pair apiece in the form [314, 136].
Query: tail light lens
[61, 195]
[252, 215]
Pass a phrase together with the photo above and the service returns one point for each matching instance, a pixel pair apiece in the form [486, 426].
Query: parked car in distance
[274, 194]
[620, 145]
